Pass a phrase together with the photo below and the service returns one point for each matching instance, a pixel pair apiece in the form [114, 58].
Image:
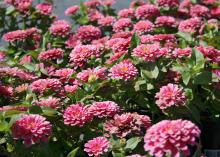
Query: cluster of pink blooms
[55, 53]
[179, 53]
[97, 146]
[147, 11]
[124, 70]
[106, 21]
[126, 124]
[32, 129]
[122, 24]
[143, 27]
[44, 8]
[167, 3]
[126, 13]
[21, 5]
[168, 21]
[20, 35]
[6, 91]
[64, 74]
[72, 10]
[51, 102]
[190, 25]
[88, 33]
[169, 137]
[170, 95]
[60, 28]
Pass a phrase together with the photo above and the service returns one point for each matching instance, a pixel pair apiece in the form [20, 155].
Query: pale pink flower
[166, 21]
[42, 85]
[190, 25]
[90, 75]
[77, 115]
[72, 10]
[179, 53]
[142, 27]
[97, 146]
[32, 129]
[93, 3]
[71, 88]
[64, 74]
[60, 28]
[45, 8]
[126, 13]
[22, 88]
[170, 95]
[107, 21]
[88, 33]
[122, 24]
[51, 54]
[104, 109]
[199, 11]
[171, 137]
[124, 70]
[167, 3]
[147, 11]
[50, 102]
[82, 53]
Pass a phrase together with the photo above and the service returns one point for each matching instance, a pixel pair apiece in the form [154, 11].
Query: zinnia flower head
[21, 5]
[93, 3]
[126, 13]
[88, 33]
[77, 115]
[122, 24]
[51, 102]
[171, 137]
[215, 12]
[6, 91]
[170, 95]
[147, 11]
[167, 3]
[64, 74]
[45, 8]
[199, 11]
[142, 27]
[166, 21]
[104, 109]
[179, 53]
[106, 21]
[190, 25]
[210, 53]
[72, 41]
[97, 146]
[60, 28]
[127, 123]
[72, 10]
[124, 70]
[31, 129]
[94, 15]
[118, 45]
[71, 89]
[51, 54]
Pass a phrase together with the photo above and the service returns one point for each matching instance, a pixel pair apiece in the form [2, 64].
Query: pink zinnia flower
[142, 27]
[81, 53]
[72, 10]
[210, 53]
[104, 109]
[60, 28]
[20, 35]
[215, 12]
[45, 8]
[71, 89]
[6, 91]
[118, 45]
[149, 52]
[124, 70]
[26, 59]
[106, 21]
[21, 5]
[147, 11]
[122, 24]
[127, 123]
[93, 3]
[95, 15]
[72, 41]
[22, 88]
[77, 115]
[32, 129]
[167, 3]
[90, 75]
[126, 13]
[97, 146]
[123, 34]
[51, 102]
[199, 11]
[171, 137]
[51, 54]
[190, 25]
[42, 85]
[64, 74]
[166, 21]
[170, 95]
[88, 33]
[179, 53]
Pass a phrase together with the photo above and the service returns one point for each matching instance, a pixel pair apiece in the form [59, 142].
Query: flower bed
[143, 81]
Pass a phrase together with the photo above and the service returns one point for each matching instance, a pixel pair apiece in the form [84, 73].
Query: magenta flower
[6, 91]
[170, 95]
[88, 33]
[142, 27]
[147, 11]
[165, 21]
[97, 146]
[106, 21]
[21, 5]
[190, 25]
[72, 10]
[122, 24]
[118, 45]
[51, 54]
[32, 129]
[179, 53]
[124, 70]
[60, 28]
[126, 13]
[104, 109]
[45, 8]
[167, 3]
[93, 3]
[171, 137]
[77, 115]
[64, 74]
[199, 11]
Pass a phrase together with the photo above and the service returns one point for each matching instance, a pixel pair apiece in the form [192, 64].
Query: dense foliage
[143, 81]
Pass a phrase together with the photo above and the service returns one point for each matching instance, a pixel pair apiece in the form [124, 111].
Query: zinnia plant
[140, 81]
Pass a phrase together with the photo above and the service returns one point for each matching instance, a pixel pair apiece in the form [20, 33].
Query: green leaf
[135, 41]
[203, 78]
[197, 60]
[186, 77]
[4, 126]
[30, 66]
[198, 152]
[185, 36]
[132, 143]
[49, 111]
[73, 152]
[189, 93]
[35, 110]
[83, 20]
[83, 8]
[10, 10]
[150, 70]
